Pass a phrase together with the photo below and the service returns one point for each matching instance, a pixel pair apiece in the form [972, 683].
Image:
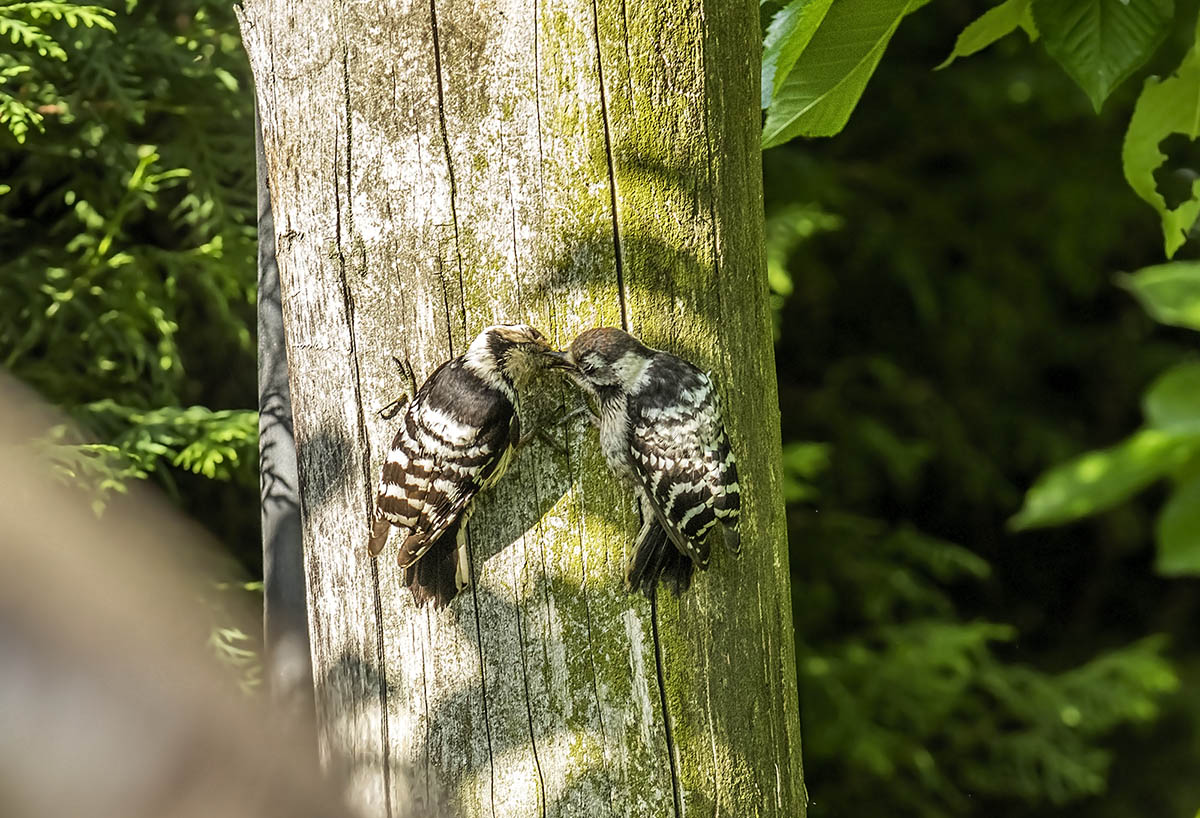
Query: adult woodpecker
[661, 431]
[457, 437]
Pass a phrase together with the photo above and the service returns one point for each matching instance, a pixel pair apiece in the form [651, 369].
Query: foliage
[1168, 445]
[1169, 292]
[818, 56]
[26, 96]
[1100, 44]
[132, 206]
[897, 687]
[127, 154]
[1166, 108]
[954, 335]
[906, 700]
[786, 228]
[237, 652]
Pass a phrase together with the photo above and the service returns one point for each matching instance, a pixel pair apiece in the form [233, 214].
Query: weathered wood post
[439, 165]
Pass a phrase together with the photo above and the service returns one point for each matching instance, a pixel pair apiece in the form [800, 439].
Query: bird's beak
[558, 360]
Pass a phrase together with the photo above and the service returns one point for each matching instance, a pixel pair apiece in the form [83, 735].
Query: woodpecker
[661, 432]
[457, 437]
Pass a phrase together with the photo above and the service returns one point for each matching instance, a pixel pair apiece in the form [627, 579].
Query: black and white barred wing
[682, 456]
[446, 450]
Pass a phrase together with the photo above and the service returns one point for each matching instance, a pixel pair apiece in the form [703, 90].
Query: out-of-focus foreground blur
[109, 703]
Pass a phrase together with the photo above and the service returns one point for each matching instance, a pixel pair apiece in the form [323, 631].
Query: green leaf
[802, 463]
[1178, 531]
[787, 227]
[226, 79]
[787, 36]
[995, 23]
[1098, 480]
[1165, 107]
[1173, 400]
[818, 95]
[30, 36]
[1099, 43]
[1169, 292]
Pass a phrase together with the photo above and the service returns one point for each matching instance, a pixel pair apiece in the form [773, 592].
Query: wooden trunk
[439, 166]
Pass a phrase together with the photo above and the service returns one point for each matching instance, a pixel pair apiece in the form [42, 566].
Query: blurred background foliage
[947, 273]
[949, 328]
[127, 253]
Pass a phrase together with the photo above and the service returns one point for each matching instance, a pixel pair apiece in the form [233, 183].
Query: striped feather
[455, 439]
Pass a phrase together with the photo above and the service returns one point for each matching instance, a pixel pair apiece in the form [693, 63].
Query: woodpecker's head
[516, 351]
[606, 358]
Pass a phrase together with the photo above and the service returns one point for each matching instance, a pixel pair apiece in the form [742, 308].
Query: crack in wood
[512, 210]
[483, 694]
[537, 761]
[612, 174]
[381, 669]
[363, 442]
[676, 788]
[712, 735]
[441, 273]
[441, 97]
[425, 704]
[587, 616]
[537, 98]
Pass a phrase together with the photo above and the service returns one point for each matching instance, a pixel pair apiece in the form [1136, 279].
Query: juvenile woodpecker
[661, 431]
[457, 438]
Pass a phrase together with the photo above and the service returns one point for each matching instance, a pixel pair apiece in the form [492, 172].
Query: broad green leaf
[1169, 292]
[789, 33]
[1165, 107]
[1099, 43]
[1173, 400]
[1178, 531]
[820, 92]
[1098, 480]
[995, 23]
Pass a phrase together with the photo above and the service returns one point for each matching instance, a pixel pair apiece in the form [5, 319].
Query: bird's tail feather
[436, 575]
[655, 557]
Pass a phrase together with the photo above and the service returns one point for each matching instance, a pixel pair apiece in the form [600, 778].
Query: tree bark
[437, 166]
[286, 651]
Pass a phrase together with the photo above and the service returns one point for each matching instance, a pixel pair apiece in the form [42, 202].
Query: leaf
[1178, 531]
[1170, 293]
[1099, 43]
[996, 22]
[1165, 107]
[226, 79]
[1098, 480]
[30, 36]
[789, 33]
[820, 92]
[802, 463]
[1173, 400]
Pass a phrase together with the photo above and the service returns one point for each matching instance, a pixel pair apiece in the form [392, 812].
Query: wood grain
[439, 166]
